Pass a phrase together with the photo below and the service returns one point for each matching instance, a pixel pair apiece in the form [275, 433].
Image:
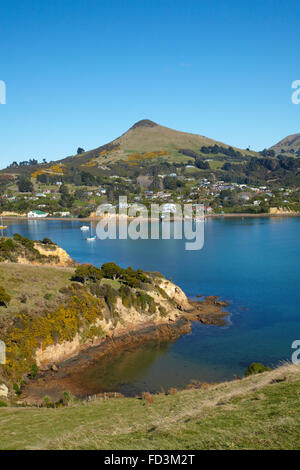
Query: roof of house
[38, 212]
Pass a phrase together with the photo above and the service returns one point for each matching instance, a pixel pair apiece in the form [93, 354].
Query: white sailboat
[92, 237]
[84, 228]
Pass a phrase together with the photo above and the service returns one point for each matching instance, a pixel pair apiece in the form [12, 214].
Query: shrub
[25, 241]
[126, 296]
[7, 248]
[162, 292]
[163, 312]
[26, 333]
[47, 241]
[148, 397]
[46, 400]
[132, 281]
[129, 276]
[91, 333]
[7, 245]
[17, 389]
[34, 370]
[83, 213]
[97, 289]
[112, 271]
[66, 398]
[110, 297]
[4, 297]
[256, 368]
[87, 272]
[144, 303]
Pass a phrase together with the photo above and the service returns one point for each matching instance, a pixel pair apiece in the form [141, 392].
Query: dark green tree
[24, 185]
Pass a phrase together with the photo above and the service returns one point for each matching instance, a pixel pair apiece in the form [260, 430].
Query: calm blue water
[252, 262]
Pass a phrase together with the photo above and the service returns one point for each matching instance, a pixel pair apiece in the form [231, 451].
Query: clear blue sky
[80, 72]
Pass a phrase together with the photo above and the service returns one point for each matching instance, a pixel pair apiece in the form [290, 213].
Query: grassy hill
[150, 149]
[145, 140]
[147, 136]
[290, 144]
[258, 412]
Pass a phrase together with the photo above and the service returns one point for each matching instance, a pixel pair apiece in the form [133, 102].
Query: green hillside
[290, 145]
[147, 136]
[145, 140]
[153, 151]
[259, 412]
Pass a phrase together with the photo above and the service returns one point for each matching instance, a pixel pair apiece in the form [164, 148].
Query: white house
[63, 214]
[37, 214]
[168, 207]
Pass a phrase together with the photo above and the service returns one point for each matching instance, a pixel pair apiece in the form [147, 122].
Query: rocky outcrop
[126, 321]
[62, 255]
[57, 256]
[58, 352]
[176, 294]
[3, 391]
[281, 211]
[130, 322]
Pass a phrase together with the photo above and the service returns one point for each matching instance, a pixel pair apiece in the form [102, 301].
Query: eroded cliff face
[59, 256]
[125, 321]
[58, 352]
[175, 293]
[64, 258]
[90, 307]
[172, 308]
[281, 211]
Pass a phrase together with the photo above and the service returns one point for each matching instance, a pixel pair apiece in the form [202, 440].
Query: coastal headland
[58, 310]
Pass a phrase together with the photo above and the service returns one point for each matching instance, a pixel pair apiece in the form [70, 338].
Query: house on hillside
[37, 214]
[169, 207]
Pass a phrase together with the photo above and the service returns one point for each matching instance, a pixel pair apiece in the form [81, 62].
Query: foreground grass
[260, 412]
[32, 288]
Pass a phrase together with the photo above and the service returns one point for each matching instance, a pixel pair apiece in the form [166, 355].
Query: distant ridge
[144, 139]
[290, 144]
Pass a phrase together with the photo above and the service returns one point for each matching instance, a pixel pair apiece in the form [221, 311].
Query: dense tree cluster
[129, 276]
[267, 153]
[24, 185]
[202, 164]
[66, 199]
[216, 149]
[30, 162]
[171, 182]
[189, 153]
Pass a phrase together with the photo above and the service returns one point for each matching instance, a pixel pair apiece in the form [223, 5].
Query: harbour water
[253, 263]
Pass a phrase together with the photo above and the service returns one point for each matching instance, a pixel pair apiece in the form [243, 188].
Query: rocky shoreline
[53, 380]
[206, 216]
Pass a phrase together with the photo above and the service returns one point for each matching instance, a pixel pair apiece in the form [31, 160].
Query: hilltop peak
[290, 145]
[144, 123]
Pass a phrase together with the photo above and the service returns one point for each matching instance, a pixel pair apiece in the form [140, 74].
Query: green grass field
[32, 287]
[259, 412]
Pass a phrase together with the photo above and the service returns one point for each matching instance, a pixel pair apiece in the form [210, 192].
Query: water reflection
[124, 372]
